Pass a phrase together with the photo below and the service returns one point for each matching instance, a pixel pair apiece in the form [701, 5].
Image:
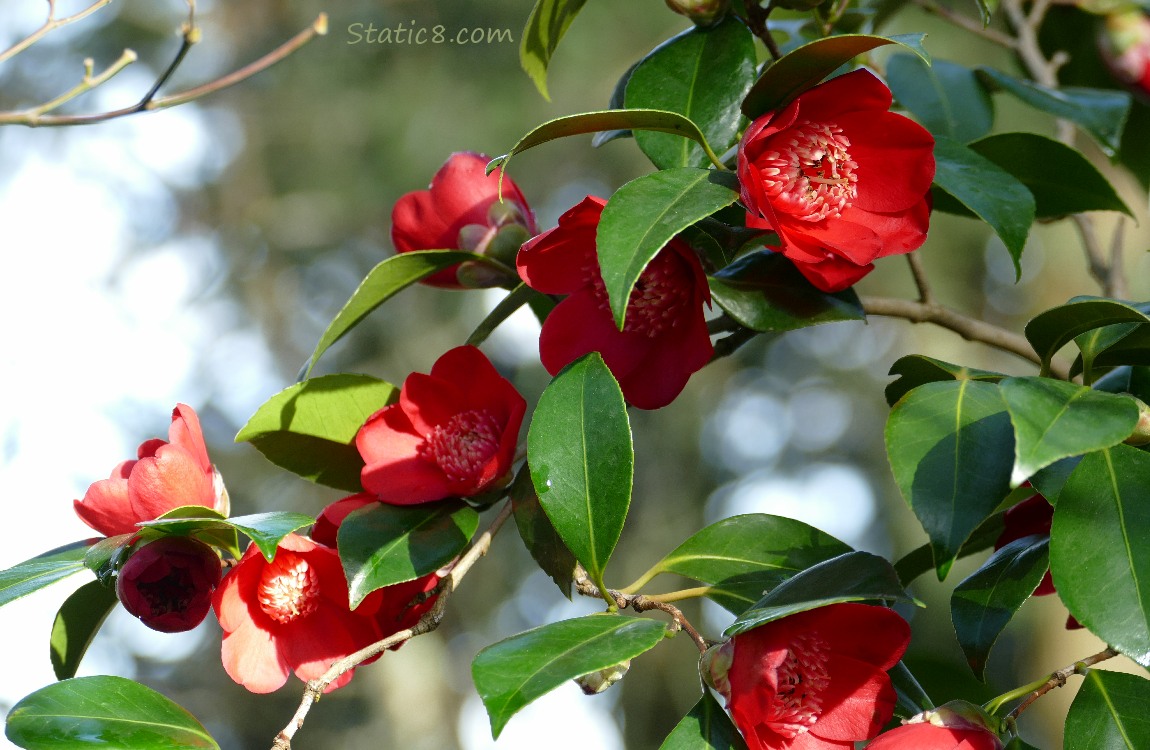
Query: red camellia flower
[166, 475]
[288, 615]
[451, 434]
[462, 211]
[841, 180]
[665, 337]
[815, 680]
[955, 726]
[168, 583]
[1031, 516]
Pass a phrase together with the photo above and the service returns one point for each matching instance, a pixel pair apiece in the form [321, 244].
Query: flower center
[802, 680]
[172, 593]
[463, 445]
[657, 301]
[289, 588]
[813, 177]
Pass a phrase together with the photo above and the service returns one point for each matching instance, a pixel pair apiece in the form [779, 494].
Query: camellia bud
[1125, 47]
[597, 682]
[168, 584]
[714, 665]
[702, 12]
[1141, 434]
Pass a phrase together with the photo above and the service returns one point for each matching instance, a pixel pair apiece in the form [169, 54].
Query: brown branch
[429, 622]
[641, 603]
[1059, 678]
[757, 23]
[925, 295]
[50, 25]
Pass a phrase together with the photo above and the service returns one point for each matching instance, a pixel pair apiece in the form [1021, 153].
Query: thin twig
[641, 603]
[757, 23]
[925, 295]
[1117, 277]
[967, 23]
[1059, 678]
[429, 622]
[51, 25]
[87, 83]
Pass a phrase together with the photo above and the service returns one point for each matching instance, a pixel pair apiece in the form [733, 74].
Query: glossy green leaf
[383, 282]
[1049, 331]
[765, 292]
[742, 557]
[42, 570]
[705, 727]
[850, 577]
[1050, 481]
[914, 370]
[988, 191]
[1112, 346]
[951, 448]
[309, 428]
[643, 215]
[199, 524]
[105, 556]
[703, 74]
[103, 712]
[1060, 178]
[1054, 419]
[803, 68]
[539, 536]
[1101, 113]
[921, 559]
[381, 545]
[546, 25]
[77, 623]
[984, 603]
[515, 299]
[264, 529]
[582, 460]
[947, 98]
[514, 672]
[616, 102]
[1098, 552]
[1109, 713]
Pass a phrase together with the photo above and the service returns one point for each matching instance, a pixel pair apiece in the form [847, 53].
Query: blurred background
[197, 254]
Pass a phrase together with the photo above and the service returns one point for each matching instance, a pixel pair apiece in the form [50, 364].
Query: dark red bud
[168, 584]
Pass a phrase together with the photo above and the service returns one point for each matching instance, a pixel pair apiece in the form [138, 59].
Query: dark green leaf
[801, 69]
[582, 460]
[850, 577]
[606, 136]
[991, 193]
[983, 604]
[1049, 331]
[1101, 113]
[921, 559]
[1098, 552]
[1112, 346]
[42, 570]
[1109, 713]
[103, 712]
[383, 282]
[951, 447]
[914, 370]
[104, 557]
[947, 98]
[539, 535]
[77, 623]
[1054, 419]
[381, 545]
[643, 215]
[512, 673]
[705, 727]
[765, 292]
[546, 25]
[703, 74]
[310, 427]
[1050, 481]
[264, 529]
[517, 298]
[199, 524]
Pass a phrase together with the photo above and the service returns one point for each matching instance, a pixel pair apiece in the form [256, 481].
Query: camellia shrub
[795, 147]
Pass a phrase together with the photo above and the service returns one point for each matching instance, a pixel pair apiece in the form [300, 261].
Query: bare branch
[967, 23]
[641, 603]
[925, 295]
[51, 25]
[1059, 678]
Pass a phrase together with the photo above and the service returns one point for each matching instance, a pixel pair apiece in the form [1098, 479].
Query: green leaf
[1050, 481]
[983, 604]
[617, 96]
[1112, 346]
[1060, 178]
[107, 712]
[705, 727]
[77, 623]
[743, 556]
[1098, 552]
[309, 428]
[264, 529]
[546, 25]
[703, 74]
[1101, 113]
[1054, 419]
[765, 292]
[850, 577]
[921, 559]
[951, 447]
[539, 536]
[1109, 712]
[383, 282]
[914, 370]
[643, 215]
[947, 98]
[199, 524]
[104, 557]
[514, 672]
[517, 298]
[1049, 331]
[381, 545]
[582, 460]
[801, 69]
[991, 193]
[42, 570]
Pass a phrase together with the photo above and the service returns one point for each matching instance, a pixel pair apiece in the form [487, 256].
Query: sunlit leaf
[77, 623]
[546, 25]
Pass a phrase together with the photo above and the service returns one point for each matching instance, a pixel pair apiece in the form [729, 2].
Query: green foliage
[545, 27]
[1109, 713]
[539, 536]
[705, 727]
[264, 529]
[947, 99]
[42, 570]
[77, 623]
[914, 370]
[1049, 331]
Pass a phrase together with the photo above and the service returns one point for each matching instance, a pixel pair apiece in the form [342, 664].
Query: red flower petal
[857, 91]
[172, 478]
[895, 158]
[562, 260]
[185, 432]
[925, 736]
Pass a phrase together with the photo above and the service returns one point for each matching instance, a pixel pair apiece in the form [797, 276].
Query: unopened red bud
[597, 682]
[700, 11]
[1124, 44]
[168, 584]
[714, 665]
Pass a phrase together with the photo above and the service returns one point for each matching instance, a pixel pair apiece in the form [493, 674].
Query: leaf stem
[1039, 688]
[642, 603]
